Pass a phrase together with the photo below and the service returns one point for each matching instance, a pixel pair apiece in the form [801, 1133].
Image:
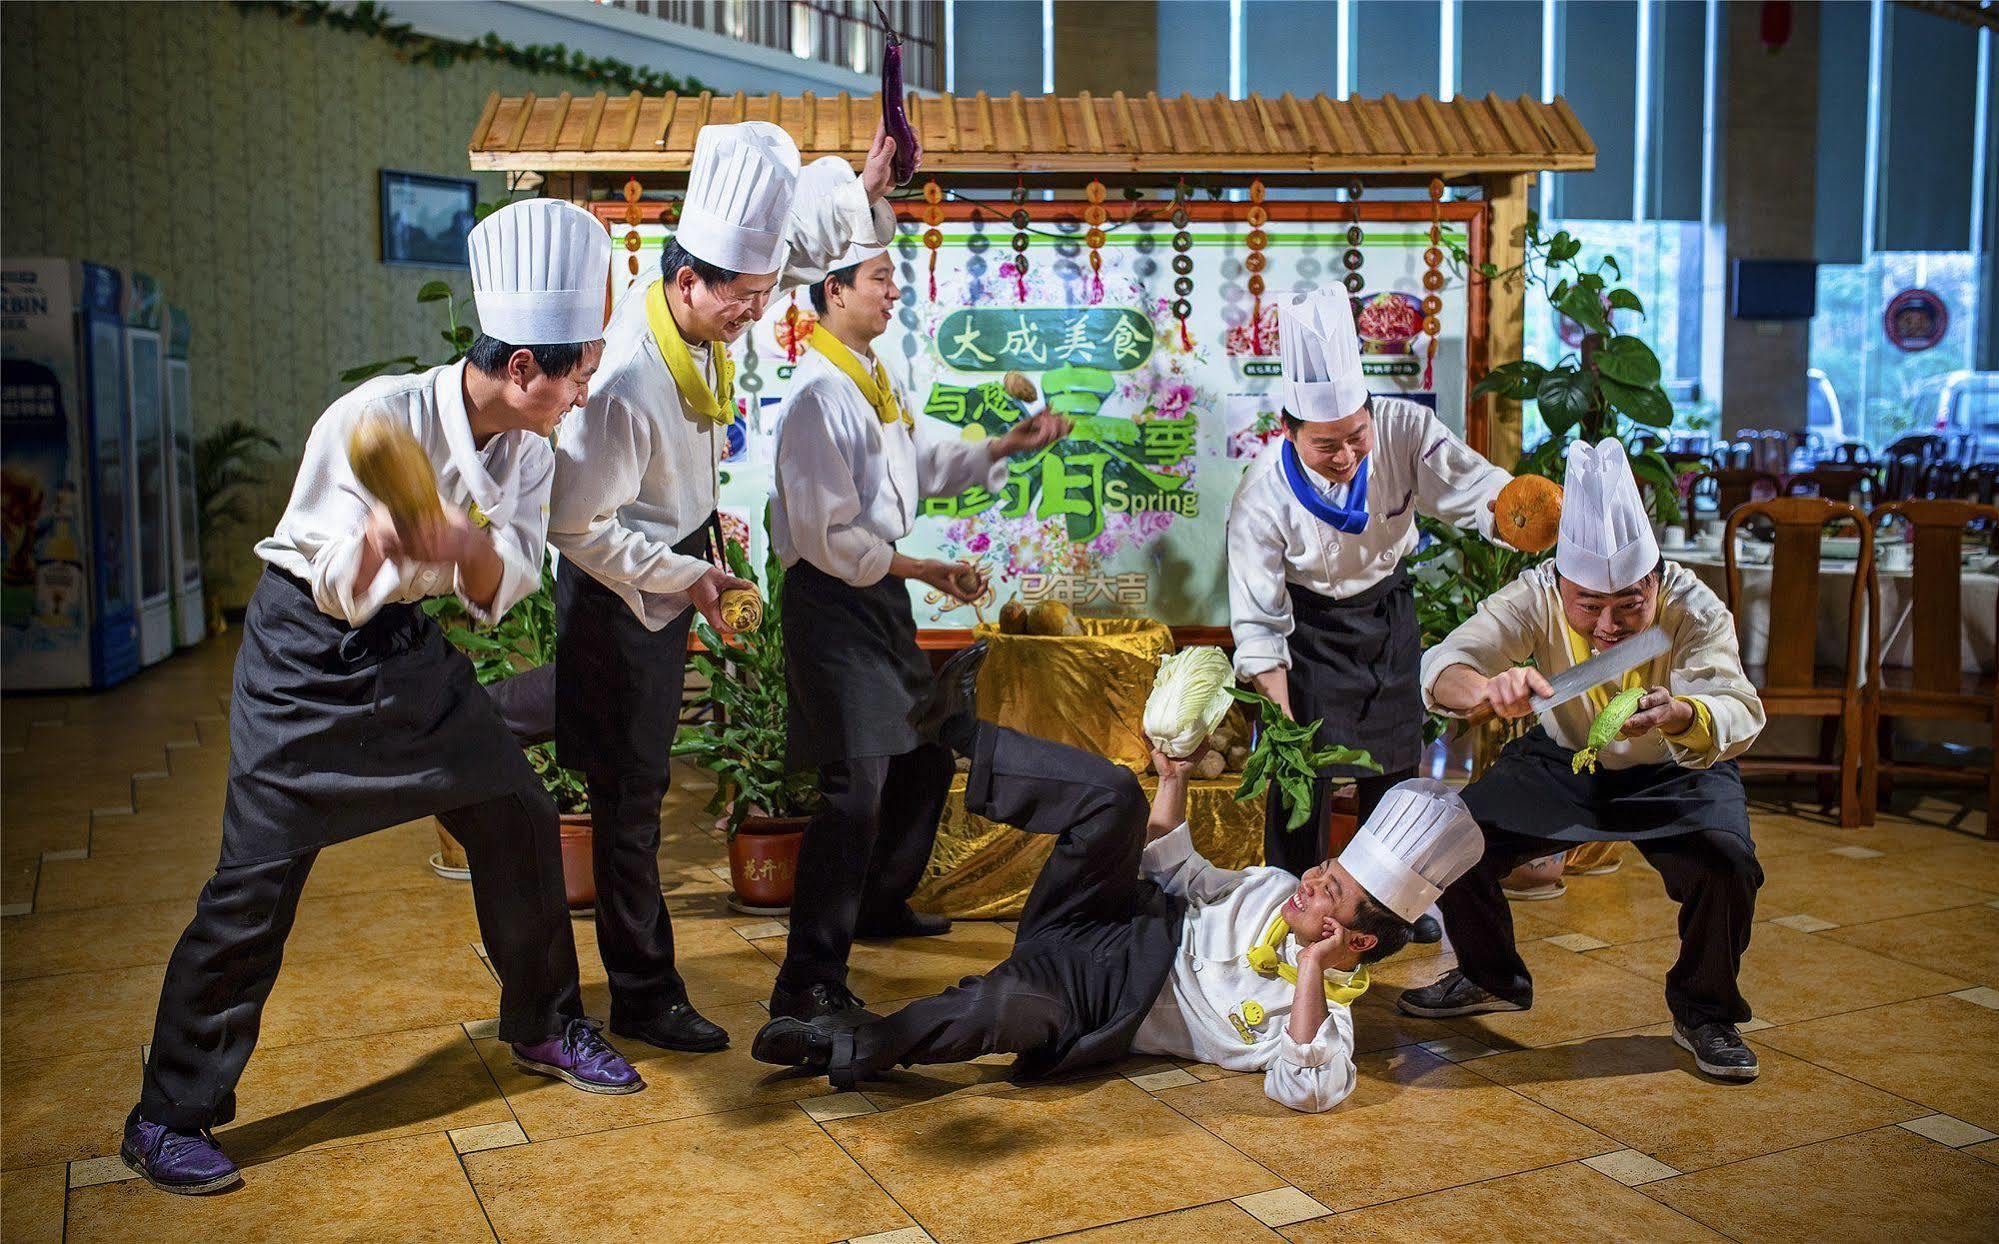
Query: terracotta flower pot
[763, 864]
[579, 868]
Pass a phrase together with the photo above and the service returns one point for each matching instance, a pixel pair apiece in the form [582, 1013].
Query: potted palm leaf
[742, 743]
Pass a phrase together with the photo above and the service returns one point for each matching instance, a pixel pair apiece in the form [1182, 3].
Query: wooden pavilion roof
[1055, 134]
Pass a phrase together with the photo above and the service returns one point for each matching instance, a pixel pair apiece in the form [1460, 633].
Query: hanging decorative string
[1256, 262]
[1183, 263]
[933, 237]
[1433, 280]
[1355, 282]
[791, 333]
[1094, 215]
[1020, 222]
[633, 215]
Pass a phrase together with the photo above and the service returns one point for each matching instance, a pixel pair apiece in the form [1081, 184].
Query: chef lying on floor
[1669, 783]
[1132, 942]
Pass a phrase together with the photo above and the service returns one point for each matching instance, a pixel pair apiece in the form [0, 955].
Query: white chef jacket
[1228, 913]
[848, 485]
[636, 472]
[1418, 465]
[319, 538]
[1523, 621]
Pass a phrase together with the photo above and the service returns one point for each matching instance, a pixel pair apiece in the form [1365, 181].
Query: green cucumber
[1607, 727]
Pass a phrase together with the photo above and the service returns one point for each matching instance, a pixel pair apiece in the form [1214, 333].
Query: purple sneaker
[186, 1162]
[581, 1058]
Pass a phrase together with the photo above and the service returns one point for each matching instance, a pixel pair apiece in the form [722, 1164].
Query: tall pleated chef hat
[739, 196]
[828, 176]
[1321, 353]
[1418, 840]
[540, 269]
[1605, 542]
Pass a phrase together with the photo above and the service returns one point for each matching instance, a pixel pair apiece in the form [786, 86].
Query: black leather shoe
[1428, 930]
[821, 1000]
[1454, 995]
[679, 1028]
[1718, 1050]
[951, 715]
[905, 923]
[788, 1042]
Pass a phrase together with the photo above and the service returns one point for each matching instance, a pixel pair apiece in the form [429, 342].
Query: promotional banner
[1161, 355]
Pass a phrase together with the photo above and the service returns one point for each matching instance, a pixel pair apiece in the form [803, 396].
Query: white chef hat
[1321, 353]
[1605, 542]
[1418, 840]
[539, 272]
[739, 195]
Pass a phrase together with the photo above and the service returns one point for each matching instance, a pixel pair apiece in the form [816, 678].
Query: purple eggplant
[894, 119]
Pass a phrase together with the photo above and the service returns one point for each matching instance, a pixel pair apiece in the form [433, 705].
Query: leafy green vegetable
[1284, 757]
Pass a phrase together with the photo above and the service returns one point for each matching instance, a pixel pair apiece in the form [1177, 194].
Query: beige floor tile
[1643, 1090]
[1962, 861]
[1882, 1185]
[836, 1106]
[1947, 1130]
[1625, 906]
[1575, 995]
[338, 1092]
[767, 1174]
[1049, 1159]
[1630, 1167]
[426, 988]
[31, 1205]
[1940, 1052]
[1892, 834]
[1281, 1207]
[1414, 1124]
[1980, 995]
[1789, 976]
[1203, 1224]
[1963, 941]
[1567, 1202]
[68, 1107]
[912, 967]
[677, 1085]
[405, 1189]
[1841, 890]
[487, 1136]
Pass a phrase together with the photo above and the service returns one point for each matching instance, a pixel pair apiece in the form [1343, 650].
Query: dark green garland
[368, 18]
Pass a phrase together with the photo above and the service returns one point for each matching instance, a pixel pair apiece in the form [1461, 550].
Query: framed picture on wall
[425, 218]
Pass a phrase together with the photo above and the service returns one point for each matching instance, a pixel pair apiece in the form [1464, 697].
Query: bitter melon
[1607, 727]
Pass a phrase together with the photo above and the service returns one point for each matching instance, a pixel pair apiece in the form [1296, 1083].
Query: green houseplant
[742, 743]
[227, 460]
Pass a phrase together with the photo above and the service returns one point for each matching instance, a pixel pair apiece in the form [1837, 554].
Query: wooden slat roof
[1055, 134]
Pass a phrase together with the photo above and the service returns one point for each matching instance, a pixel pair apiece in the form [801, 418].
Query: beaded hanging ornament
[1094, 215]
[633, 215]
[791, 333]
[1256, 262]
[1433, 280]
[933, 237]
[1020, 222]
[1183, 263]
[1355, 282]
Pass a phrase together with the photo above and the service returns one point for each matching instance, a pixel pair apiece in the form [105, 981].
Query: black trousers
[862, 855]
[1294, 851]
[1071, 974]
[224, 966]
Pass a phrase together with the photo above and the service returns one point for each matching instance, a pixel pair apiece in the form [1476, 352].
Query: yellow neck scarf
[873, 382]
[1600, 696]
[717, 405]
[1264, 960]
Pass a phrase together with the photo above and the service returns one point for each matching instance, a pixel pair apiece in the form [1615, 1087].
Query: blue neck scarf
[1350, 519]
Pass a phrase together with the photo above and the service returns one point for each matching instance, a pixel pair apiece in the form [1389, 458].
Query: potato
[1052, 617]
[1013, 618]
[1209, 766]
[1238, 757]
[1018, 387]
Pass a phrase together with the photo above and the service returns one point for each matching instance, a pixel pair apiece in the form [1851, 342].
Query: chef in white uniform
[352, 713]
[1132, 942]
[1322, 610]
[635, 520]
[854, 461]
[1669, 784]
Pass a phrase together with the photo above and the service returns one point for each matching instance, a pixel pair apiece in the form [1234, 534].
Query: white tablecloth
[1980, 591]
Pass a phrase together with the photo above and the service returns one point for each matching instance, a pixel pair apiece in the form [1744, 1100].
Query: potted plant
[742, 744]
[226, 461]
[521, 641]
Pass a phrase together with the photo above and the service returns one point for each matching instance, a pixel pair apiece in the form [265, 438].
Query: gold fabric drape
[981, 869]
[1085, 690]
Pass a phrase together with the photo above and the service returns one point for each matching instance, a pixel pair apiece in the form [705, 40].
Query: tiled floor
[379, 1105]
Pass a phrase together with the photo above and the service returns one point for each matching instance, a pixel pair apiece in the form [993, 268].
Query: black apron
[1356, 665]
[1533, 790]
[618, 686]
[1111, 975]
[852, 667]
[337, 731]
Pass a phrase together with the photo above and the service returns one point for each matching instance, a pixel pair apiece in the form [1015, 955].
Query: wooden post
[1506, 319]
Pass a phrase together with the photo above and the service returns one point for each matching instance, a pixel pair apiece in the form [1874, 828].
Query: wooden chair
[1737, 486]
[1790, 681]
[1834, 483]
[1851, 453]
[1900, 476]
[1935, 686]
[1928, 447]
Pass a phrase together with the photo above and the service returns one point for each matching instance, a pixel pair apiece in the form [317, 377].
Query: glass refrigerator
[145, 385]
[190, 618]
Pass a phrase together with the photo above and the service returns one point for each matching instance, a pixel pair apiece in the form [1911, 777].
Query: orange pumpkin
[1528, 513]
